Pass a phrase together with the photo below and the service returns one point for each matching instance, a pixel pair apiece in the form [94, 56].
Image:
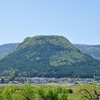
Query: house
[4, 81]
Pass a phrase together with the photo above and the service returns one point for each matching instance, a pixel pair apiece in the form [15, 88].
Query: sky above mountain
[77, 20]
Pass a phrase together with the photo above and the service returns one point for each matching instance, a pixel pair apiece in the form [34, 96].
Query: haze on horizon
[78, 21]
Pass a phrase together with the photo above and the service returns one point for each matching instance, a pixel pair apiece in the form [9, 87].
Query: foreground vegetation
[41, 92]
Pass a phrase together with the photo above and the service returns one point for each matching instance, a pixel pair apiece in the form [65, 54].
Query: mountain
[93, 50]
[48, 56]
[6, 48]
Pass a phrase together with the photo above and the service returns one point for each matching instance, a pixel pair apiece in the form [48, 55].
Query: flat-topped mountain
[48, 56]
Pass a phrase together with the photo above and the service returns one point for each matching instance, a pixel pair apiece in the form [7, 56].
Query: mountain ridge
[7, 48]
[48, 56]
[93, 50]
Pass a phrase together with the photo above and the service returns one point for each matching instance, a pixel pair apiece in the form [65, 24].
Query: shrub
[70, 91]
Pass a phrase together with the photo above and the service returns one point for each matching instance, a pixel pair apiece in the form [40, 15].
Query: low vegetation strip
[44, 92]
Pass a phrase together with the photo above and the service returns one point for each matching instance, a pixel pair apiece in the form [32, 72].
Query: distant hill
[93, 50]
[48, 56]
[6, 48]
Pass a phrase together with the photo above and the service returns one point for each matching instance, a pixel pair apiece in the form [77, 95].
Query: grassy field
[48, 92]
[77, 92]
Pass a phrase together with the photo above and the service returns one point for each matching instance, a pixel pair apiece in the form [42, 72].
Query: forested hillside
[93, 50]
[48, 56]
[6, 48]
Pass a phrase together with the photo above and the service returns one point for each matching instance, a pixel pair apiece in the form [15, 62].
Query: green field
[48, 92]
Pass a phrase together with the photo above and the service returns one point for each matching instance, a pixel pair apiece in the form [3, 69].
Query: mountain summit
[48, 56]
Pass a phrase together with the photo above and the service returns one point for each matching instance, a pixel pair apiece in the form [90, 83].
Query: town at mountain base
[48, 56]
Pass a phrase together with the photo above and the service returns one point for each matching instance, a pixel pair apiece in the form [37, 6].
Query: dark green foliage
[48, 56]
[70, 90]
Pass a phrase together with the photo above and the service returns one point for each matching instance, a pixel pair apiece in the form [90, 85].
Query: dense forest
[48, 56]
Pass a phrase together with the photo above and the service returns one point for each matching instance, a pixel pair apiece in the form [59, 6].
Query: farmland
[48, 92]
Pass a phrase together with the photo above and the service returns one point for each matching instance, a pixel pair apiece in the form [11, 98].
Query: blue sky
[77, 20]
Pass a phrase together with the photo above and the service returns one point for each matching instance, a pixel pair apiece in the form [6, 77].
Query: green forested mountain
[6, 48]
[93, 50]
[48, 56]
